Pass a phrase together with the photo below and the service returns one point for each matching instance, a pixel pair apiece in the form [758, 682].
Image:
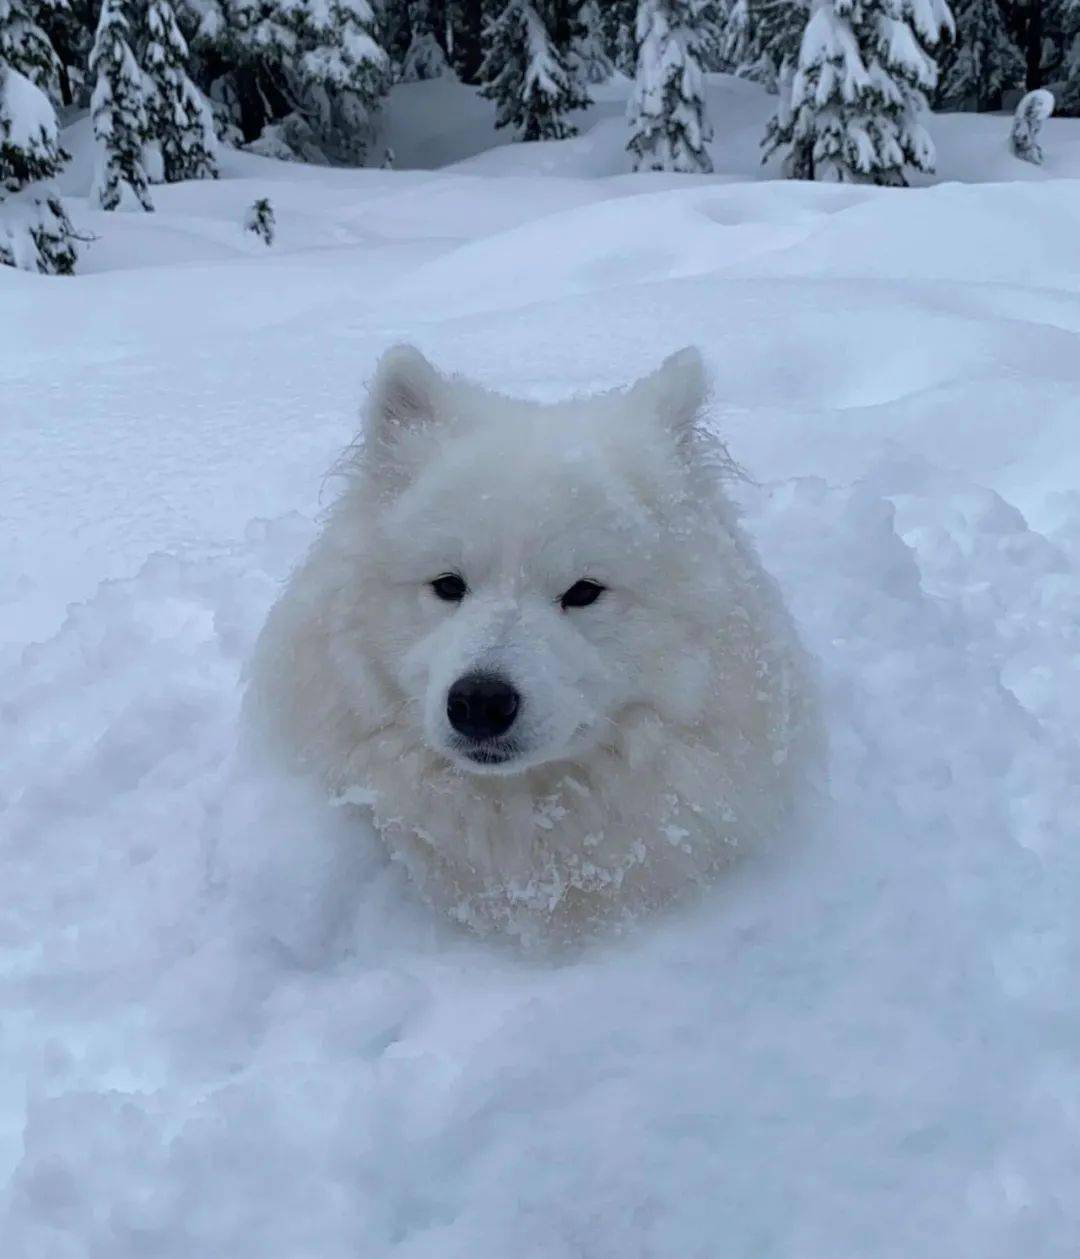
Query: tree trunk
[469, 39]
[1033, 39]
[562, 26]
[437, 17]
[259, 100]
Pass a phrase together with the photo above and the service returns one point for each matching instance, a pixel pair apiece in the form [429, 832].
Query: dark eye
[581, 594]
[450, 587]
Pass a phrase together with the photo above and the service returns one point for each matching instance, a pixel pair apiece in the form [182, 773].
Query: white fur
[662, 728]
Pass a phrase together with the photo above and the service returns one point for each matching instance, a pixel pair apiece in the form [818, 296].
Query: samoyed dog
[534, 642]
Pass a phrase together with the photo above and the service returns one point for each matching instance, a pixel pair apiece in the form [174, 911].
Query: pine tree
[764, 37]
[425, 57]
[617, 19]
[344, 74]
[710, 24]
[306, 74]
[260, 220]
[469, 22]
[982, 62]
[857, 95]
[35, 232]
[1032, 111]
[595, 66]
[1069, 98]
[394, 24]
[119, 108]
[529, 79]
[178, 118]
[668, 124]
[26, 47]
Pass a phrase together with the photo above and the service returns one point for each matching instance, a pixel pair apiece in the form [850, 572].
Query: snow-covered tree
[25, 46]
[260, 220]
[532, 82]
[858, 93]
[1032, 111]
[983, 61]
[308, 74]
[1068, 100]
[425, 57]
[179, 120]
[669, 128]
[469, 21]
[617, 19]
[762, 39]
[343, 74]
[593, 61]
[120, 113]
[711, 23]
[35, 232]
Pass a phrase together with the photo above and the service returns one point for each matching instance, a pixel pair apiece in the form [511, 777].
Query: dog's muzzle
[481, 708]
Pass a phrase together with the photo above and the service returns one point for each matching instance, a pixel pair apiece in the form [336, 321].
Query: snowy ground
[229, 1031]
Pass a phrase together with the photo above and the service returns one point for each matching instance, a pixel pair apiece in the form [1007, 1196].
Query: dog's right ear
[404, 404]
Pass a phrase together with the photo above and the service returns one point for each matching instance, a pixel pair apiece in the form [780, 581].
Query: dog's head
[533, 571]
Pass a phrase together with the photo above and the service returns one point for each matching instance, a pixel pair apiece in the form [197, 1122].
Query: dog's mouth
[487, 755]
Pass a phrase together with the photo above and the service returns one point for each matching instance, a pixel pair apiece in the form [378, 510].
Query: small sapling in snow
[260, 220]
[1031, 113]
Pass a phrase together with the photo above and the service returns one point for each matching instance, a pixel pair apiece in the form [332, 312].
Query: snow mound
[242, 1037]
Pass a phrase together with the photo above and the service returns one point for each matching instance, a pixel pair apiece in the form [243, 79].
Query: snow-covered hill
[229, 1030]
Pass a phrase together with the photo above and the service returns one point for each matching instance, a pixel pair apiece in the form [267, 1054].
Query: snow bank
[239, 1035]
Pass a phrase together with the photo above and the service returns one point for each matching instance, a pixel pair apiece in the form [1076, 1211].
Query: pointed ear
[675, 394]
[403, 393]
[404, 403]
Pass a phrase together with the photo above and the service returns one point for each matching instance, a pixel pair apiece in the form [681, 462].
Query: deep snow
[228, 1028]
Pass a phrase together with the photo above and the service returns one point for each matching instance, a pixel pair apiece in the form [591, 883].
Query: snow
[229, 1029]
[28, 119]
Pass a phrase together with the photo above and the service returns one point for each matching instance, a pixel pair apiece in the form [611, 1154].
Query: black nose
[482, 706]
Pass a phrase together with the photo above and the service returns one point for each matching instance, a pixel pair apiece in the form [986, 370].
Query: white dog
[535, 642]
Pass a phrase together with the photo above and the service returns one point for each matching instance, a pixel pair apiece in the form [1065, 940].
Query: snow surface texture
[229, 1029]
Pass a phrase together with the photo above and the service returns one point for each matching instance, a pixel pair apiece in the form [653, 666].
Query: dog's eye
[450, 587]
[581, 594]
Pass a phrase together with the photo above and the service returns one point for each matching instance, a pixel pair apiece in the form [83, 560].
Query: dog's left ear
[675, 394]
[404, 403]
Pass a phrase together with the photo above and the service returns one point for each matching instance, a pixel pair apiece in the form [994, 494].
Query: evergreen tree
[1031, 113]
[344, 74]
[395, 21]
[69, 28]
[530, 80]
[764, 37]
[668, 124]
[1042, 30]
[425, 56]
[26, 47]
[469, 20]
[589, 53]
[710, 24]
[120, 113]
[1069, 98]
[857, 95]
[982, 62]
[307, 73]
[424, 59]
[260, 220]
[178, 118]
[617, 18]
[35, 232]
